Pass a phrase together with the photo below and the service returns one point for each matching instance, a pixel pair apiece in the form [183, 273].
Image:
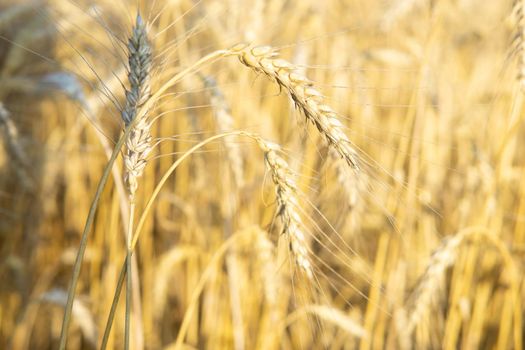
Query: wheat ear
[138, 144]
[287, 205]
[444, 257]
[432, 281]
[306, 97]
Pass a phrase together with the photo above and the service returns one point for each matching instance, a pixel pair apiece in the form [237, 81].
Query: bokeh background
[423, 248]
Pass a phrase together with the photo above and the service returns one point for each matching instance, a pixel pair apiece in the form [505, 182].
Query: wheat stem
[128, 277]
[83, 240]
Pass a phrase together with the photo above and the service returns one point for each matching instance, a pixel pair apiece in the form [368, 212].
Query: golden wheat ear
[262, 59]
[287, 206]
[311, 102]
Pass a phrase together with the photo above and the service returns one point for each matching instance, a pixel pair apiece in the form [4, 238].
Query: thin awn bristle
[287, 205]
[306, 97]
[138, 144]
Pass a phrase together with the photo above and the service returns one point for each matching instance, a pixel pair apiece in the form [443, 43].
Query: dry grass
[387, 212]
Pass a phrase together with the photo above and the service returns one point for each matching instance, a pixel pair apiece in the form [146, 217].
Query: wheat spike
[138, 144]
[432, 281]
[306, 97]
[287, 205]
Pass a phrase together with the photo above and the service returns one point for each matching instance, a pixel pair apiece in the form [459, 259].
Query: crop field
[262, 174]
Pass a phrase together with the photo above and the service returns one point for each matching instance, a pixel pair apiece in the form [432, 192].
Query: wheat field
[262, 174]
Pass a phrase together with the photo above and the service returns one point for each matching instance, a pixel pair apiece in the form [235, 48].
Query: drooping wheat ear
[519, 39]
[14, 148]
[307, 98]
[138, 144]
[225, 123]
[287, 205]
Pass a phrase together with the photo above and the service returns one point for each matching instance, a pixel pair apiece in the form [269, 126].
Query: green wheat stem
[83, 240]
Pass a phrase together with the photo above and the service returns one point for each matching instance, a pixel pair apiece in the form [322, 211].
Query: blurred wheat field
[420, 246]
